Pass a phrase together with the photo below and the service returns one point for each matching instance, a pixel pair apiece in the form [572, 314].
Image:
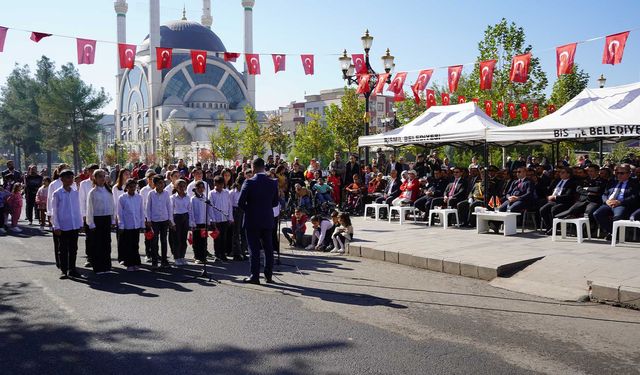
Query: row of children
[329, 236]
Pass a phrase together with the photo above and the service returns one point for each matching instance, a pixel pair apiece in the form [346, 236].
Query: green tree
[275, 137]
[225, 142]
[407, 110]
[567, 86]
[346, 121]
[313, 140]
[252, 138]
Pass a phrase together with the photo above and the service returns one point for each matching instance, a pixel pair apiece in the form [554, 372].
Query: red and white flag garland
[454, 73]
[253, 63]
[363, 83]
[520, 68]
[431, 98]
[614, 47]
[398, 81]
[382, 79]
[199, 61]
[163, 58]
[564, 58]
[3, 36]
[231, 56]
[486, 74]
[127, 54]
[359, 63]
[279, 62]
[307, 64]
[86, 49]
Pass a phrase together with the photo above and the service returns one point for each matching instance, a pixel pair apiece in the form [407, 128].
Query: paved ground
[327, 315]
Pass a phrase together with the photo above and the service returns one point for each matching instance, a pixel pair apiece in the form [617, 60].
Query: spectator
[338, 165]
[336, 186]
[620, 200]
[392, 190]
[323, 191]
[352, 168]
[393, 165]
[560, 199]
[10, 176]
[409, 190]
[298, 229]
[32, 182]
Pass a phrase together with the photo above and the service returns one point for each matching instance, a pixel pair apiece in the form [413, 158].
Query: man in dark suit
[393, 165]
[520, 195]
[561, 198]
[391, 191]
[456, 190]
[351, 168]
[258, 197]
[620, 199]
[589, 196]
[434, 189]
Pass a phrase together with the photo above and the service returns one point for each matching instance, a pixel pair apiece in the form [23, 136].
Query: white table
[443, 214]
[507, 218]
[376, 209]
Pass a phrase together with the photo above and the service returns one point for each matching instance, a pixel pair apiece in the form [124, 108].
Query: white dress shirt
[197, 211]
[192, 185]
[234, 195]
[159, 207]
[55, 185]
[116, 196]
[99, 203]
[83, 191]
[222, 202]
[325, 225]
[65, 210]
[559, 187]
[180, 204]
[130, 212]
[144, 193]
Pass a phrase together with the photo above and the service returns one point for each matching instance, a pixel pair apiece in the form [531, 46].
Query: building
[106, 135]
[193, 104]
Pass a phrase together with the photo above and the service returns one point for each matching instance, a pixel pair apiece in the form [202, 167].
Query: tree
[567, 86]
[407, 110]
[252, 138]
[313, 140]
[170, 134]
[46, 70]
[225, 142]
[275, 137]
[346, 121]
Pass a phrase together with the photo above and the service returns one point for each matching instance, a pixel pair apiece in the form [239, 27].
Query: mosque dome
[187, 35]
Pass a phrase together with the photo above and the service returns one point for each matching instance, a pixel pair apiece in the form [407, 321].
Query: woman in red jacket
[409, 190]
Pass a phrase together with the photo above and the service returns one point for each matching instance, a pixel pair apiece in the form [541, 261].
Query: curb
[626, 296]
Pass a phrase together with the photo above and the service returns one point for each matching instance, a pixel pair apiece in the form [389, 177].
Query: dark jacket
[630, 193]
[460, 191]
[591, 190]
[567, 193]
[523, 190]
[258, 197]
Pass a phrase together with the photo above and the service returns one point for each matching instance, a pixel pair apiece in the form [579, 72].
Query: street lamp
[349, 75]
[602, 81]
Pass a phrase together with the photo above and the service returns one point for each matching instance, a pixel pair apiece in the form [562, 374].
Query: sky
[420, 34]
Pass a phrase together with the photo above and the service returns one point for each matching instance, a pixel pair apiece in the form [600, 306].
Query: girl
[228, 179]
[334, 181]
[130, 224]
[198, 222]
[117, 191]
[343, 234]
[181, 204]
[159, 214]
[101, 216]
[14, 204]
[41, 201]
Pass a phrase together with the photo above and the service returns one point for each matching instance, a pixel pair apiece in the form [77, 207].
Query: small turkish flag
[86, 51]
[520, 68]
[614, 47]
[500, 109]
[524, 111]
[363, 83]
[253, 63]
[512, 110]
[416, 93]
[163, 58]
[307, 64]
[36, 37]
[3, 36]
[127, 54]
[398, 81]
[199, 61]
[399, 96]
[551, 108]
[488, 108]
[382, 79]
[461, 99]
[536, 111]
[278, 62]
[423, 79]
[359, 63]
[475, 100]
[564, 58]
[431, 98]
[486, 74]
[445, 98]
[454, 77]
[231, 56]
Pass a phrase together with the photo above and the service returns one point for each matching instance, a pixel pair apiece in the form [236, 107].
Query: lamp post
[601, 81]
[349, 75]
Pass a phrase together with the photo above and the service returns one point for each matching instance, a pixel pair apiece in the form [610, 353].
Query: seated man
[434, 189]
[561, 198]
[520, 196]
[589, 196]
[409, 190]
[475, 199]
[392, 190]
[620, 200]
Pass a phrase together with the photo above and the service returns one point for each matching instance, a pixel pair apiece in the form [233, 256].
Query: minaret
[121, 8]
[206, 20]
[153, 73]
[248, 48]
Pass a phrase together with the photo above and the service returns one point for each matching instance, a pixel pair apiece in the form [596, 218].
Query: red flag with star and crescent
[127, 54]
[551, 108]
[486, 74]
[454, 77]
[475, 100]
[199, 61]
[423, 79]
[231, 56]
[445, 98]
[512, 110]
[359, 63]
[363, 83]
[564, 58]
[520, 68]
[163, 58]
[307, 64]
[614, 47]
[398, 81]
[399, 96]
[279, 62]
[524, 111]
[500, 106]
[431, 98]
[86, 51]
[536, 110]
[488, 107]
[253, 63]
[461, 99]
[416, 93]
[382, 79]
[3, 36]
[36, 36]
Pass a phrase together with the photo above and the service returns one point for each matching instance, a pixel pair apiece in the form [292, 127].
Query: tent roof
[606, 113]
[460, 123]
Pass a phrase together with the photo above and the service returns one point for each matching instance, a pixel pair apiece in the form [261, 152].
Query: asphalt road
[326, 315]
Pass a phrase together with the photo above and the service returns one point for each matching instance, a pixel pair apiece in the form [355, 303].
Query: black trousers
[261, 239]
[160, 229]
[31, 205]
[129, 246]
[200, 243]
[101, 240]
[220, 243]
[56, 249]
[2, 217]
[68, 250]
[549, 210]
[465, 211]
[88, 244]
[179, 248]
[239, 240]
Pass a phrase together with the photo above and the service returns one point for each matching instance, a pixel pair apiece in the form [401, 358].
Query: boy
[159, 213]
[144, 193]
[220, 216]
[298, 228]
[67, 221]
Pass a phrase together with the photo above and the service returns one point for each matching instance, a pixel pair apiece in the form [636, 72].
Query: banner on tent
[599, 131]
[412, 138]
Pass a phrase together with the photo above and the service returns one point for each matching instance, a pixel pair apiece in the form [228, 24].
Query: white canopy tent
[610, 113]
[453, 124]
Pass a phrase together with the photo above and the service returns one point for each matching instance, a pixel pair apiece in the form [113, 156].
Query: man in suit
[561, 198]
[393, 165]
[434, 189]
[456, 191]
[589, 196]
[258, 197]
[620, 199]
[351, 168]
[391, 191]
[520, 196]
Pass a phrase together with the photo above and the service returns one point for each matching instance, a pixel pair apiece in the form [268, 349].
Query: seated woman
[409, 190]
[304, 197]
[323, 191]
[375, 188]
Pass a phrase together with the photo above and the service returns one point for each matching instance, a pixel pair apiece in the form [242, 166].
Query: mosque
[148, 98]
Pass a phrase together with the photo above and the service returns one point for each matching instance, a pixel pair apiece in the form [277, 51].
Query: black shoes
[251, 280]
[75, 274]
[63, 276]
[270, 280]
[238, 258]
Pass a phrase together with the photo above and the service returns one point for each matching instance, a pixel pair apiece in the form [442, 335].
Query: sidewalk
[529, 263]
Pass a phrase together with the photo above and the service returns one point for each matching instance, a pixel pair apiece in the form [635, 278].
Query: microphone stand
[204, 274]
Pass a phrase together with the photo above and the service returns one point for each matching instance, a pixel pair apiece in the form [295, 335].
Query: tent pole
[600, 149]
[553, 155]
[485, 180]
[557, 151]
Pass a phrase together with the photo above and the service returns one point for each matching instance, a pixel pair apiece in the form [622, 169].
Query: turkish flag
[36, 37]
[199, 61]
[512, 110]
[454, 77]
[163, 58]
[486, 74]
[278, 62]
[564, 58]
[3, 36]
[520, 68]
[488, 108]
[359, 63]
[307, 64]
[445, 98]
[524, 111]
[461, 99]
[398, 81]
[127, 54]
[416, 93]
[431, 98]
[500, 109]
[363, 83]
[551, 108]
[398, 97]
[423, 79]
[253, 63]
[382, 79]
[231, 56]
[536, 110]
[86, 51]
[614, 47]
[475, 100]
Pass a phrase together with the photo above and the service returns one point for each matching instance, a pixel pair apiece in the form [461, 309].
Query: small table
[376, 209]
[507, 218]
[443, 214]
